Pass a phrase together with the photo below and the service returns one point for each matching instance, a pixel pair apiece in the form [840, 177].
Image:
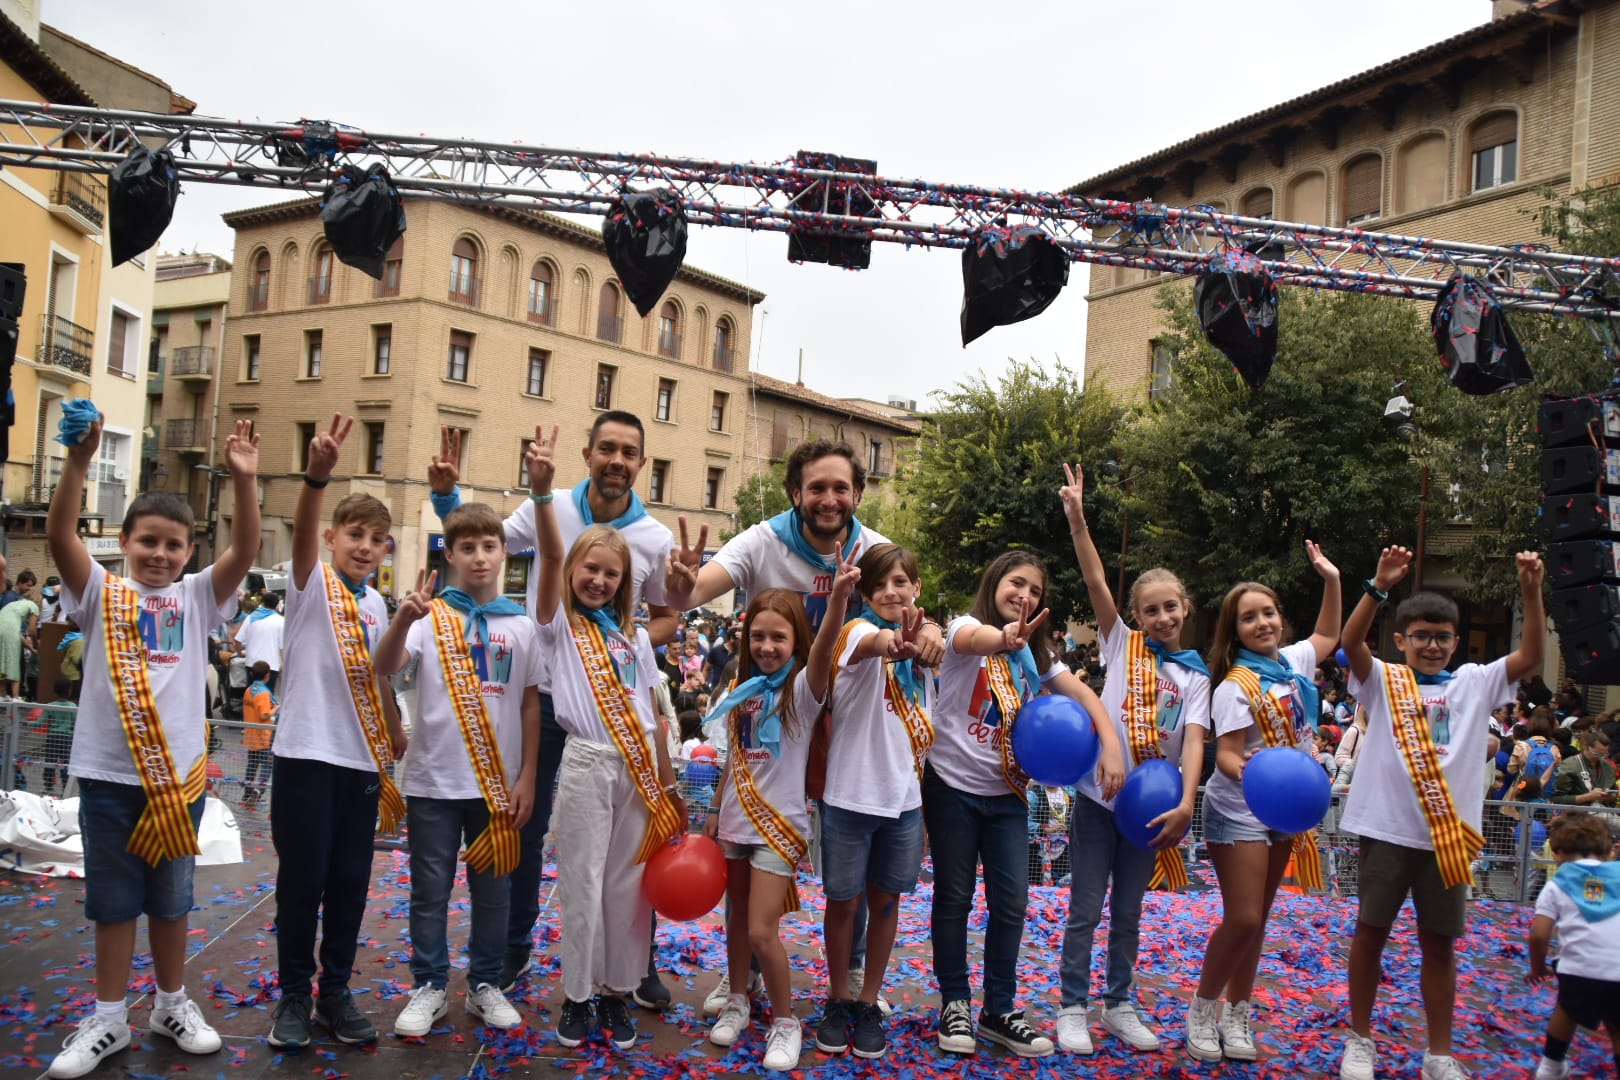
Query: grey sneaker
[344, 1019]
[290, 1028]
[513, 968]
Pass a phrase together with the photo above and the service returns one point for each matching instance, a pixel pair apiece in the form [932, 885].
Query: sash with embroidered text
[1456, 843]
[999, 674]
[1277, 730]
[1142, 732]
[771, 824]
[919, 729]
[360, 678]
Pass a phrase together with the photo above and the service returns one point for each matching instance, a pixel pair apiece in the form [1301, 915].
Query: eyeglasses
[1424, 638]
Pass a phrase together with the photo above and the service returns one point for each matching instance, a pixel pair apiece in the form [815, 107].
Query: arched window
[1420, 173]
[1256, 204]
[464, 272]
[1363, 189]
[542, 301]
[1494, 144]
[1307, 199]
[609, 325]
[393, 265]
[320, 281]
[259, 287]
[722, 345]
[669, 331]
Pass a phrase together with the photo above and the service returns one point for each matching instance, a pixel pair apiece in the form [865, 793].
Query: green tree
[761, 496]
[985, 479]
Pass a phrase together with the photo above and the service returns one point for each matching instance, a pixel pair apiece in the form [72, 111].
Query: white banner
[40, 835]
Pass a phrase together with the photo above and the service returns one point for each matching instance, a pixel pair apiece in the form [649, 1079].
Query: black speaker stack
[13, 286]
[1580, 515]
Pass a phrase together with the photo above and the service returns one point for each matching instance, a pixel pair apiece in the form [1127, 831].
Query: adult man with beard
[798, 549]
[613, 457]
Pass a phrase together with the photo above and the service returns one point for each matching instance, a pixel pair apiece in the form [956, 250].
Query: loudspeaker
[13, 286]
[1563, 422]
[835, 245]
[1581, 607]
[1592, 653]
[1578, 468]
[1578, 517]
[1582, 562]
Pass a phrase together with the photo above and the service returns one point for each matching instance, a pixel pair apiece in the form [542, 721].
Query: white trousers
[598, 825]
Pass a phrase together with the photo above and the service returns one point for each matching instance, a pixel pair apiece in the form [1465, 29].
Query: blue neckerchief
[1187, 658]
[607, 618]
[357, 588]
[77, 416]
[632, 514]
[258, 687]
[69, 638]
[1595, 889]
[261, 613]
[769, 731]
[904, 670]
[477, 624]
[1272, 672]
[1022, 663]
[789, 528]
[1438, 679]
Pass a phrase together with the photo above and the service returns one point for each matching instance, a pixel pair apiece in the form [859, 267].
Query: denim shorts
[861, 850]
[119, 886]
[1220, 829]
[759, 856]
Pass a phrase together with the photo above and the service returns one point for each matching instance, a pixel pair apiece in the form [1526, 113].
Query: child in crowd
[617, 797]
[1264, 696]
[871, 814]
[761, 818]
[139, 745]
[1582, 903]
[975, 796]
[1419, 792]
[338, 736]
[1157, 699]
[259, 705]
[60, 717]
[470, 773]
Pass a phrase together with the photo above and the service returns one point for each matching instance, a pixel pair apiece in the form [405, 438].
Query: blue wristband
[443, 504]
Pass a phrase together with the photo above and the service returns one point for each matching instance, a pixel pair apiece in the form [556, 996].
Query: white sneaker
[1360, 1060]
[1237, 1042]
[1074, 1031]
[186, 1026]
[732, 1023]
[1443, 1068]
[1203, 1030]
[1552, 1070]
[784, 1044]
[1123, 1022]
[857, 980]
[488, 1004]
[89, 1044]
[427, 1007]
[720, 994]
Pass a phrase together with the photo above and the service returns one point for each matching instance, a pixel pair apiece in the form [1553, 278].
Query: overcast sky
[1018, 95]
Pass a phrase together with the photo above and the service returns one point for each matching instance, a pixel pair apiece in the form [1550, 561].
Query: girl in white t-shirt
[974, 796]
[759, 813]
[1157, 697]
[1258, 681]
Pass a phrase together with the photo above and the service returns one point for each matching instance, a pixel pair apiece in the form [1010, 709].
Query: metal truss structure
[796, 198]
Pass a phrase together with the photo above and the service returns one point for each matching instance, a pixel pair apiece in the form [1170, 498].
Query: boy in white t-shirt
[1426, 730]
[141, 784]
[470, 773]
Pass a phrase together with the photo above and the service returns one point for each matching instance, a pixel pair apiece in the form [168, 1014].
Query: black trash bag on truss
[645, 234]
[1478, 349]
[1237, 307]
[363, 215]
[1009, 275]
[141, 193]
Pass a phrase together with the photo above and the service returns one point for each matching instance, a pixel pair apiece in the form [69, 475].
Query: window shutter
[1362, 183]
[1494, 130]
[1257, 203]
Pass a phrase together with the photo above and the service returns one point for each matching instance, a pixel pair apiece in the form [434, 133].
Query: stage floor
[46, 957]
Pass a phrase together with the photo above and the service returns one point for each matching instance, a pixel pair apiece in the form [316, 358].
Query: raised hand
[1015, 635]
[903, 646]
[1071, 493]
[324, 448]
[83, 452]
[242, 450]
[444, 471]
[415, 604]
[541, 461]
[685, 561]
[844, 581]
[1320, 562]
[1393, 564]
[1531, 570]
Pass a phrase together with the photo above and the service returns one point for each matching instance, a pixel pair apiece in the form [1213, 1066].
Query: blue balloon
[1054, 740]
[1153, 788]
[1287, 790]
[1341, 659]
[702, 774]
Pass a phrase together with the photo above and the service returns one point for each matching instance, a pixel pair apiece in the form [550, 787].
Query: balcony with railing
[154, 377]
[192, 363]
[81, 201]
[66, 345]
[724, 358]
[669, 344]
[609, 327]
[545, 314]
[465, 289]
[186, 436]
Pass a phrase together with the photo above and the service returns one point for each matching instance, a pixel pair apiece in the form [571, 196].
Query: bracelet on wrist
[316, 484]
[1078, 529]
[541, 499]
[1370, 587]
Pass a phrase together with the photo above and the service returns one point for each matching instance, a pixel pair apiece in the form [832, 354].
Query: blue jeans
[861, 851]
[524, 909]
[1097, 851]
[438, 828]
[119, 886]
[963, 829]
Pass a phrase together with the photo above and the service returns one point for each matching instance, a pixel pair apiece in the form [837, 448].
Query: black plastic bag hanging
[363, 215]
[1009, 275]
[141, 194]
[645, 234]
[1478, 349]
[1237, 307]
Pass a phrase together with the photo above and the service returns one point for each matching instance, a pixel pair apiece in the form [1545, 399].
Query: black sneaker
[652, 993]
[1010, 1030]
[956, 1028]
[290, 1029]
[576, 1022]
[613, 1014]
[870, 1041]
[832, 1034]
[344, 1019]
[513, 968]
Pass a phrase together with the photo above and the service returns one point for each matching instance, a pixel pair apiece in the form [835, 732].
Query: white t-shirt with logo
[1183, 699]
[1231, 711]
[870, 767]
[1590, 950]
[318, 721]
[436, 764]
[1383, 804]
[261, 639]
[571, 697]
[968, 725]
[174, 623]
[779, 778]
[757, 560]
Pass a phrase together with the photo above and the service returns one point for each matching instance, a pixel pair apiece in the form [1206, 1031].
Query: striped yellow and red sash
[361, 680]
[618, 715]
[1142, 729]
[1277, 730]
[498, 845]
[1456, 843]
[771, 824]
[919, 729]
[998, 673]
[164, 829]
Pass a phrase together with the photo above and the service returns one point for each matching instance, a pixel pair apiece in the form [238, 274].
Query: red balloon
[685, 878]
[703, 752]
[214, 771]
